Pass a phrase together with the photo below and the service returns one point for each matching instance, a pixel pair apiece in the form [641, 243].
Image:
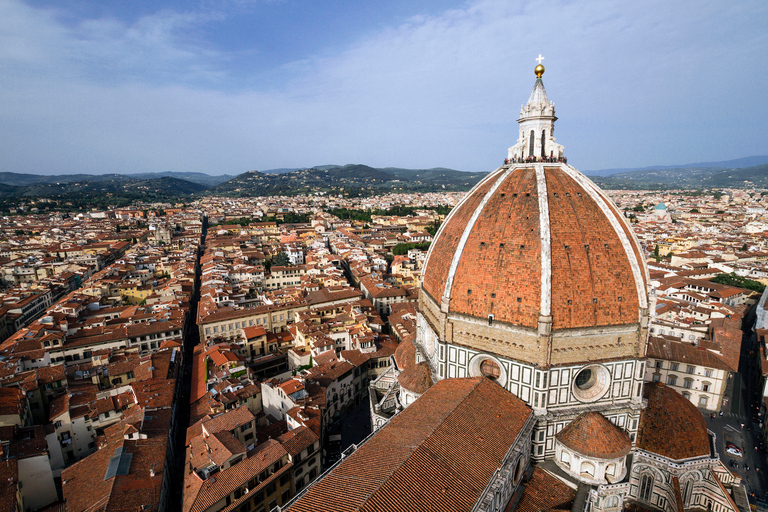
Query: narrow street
[739, 424]
[178, 434]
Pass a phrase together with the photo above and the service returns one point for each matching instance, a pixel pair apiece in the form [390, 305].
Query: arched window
[646, 487]
[687, 492]
[530, 145]
[543, 138]
[587, 468]
[519, 469]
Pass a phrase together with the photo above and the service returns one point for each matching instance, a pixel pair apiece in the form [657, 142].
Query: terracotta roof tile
[416, 379]
[544, 492]
[413, 462]
[499, 271]
[671, 425]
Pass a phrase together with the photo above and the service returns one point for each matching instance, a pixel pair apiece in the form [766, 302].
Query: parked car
[732, 449]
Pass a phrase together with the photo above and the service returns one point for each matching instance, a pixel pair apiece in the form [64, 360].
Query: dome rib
[603, 202]
[545, 238]
[467, 230]
[446, 239]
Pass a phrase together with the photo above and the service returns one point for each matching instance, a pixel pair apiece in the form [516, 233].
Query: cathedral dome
[537, 246]
[533, 240]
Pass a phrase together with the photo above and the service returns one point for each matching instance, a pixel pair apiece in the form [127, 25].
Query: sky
[229, 86]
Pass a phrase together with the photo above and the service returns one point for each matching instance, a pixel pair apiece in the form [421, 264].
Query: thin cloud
[633, 84]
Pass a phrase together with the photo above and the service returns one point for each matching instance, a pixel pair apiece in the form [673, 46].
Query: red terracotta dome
[405, 355]
[593, 435]
[538, 240]
[416, 379]
[671, 425]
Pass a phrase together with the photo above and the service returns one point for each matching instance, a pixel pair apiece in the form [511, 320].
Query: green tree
[401, 249]
[281, 260]
[739, 282]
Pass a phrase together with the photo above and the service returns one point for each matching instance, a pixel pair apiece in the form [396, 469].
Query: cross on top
[539, 58]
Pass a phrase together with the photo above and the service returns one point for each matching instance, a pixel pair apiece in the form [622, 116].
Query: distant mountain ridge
[687, 178]
[352, 178]
[738, 163]
[19, 179]
[81, 190]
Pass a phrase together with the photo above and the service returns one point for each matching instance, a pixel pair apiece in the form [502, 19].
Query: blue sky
[230, 86]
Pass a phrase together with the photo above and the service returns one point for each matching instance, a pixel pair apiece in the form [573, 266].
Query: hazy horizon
[245, 85]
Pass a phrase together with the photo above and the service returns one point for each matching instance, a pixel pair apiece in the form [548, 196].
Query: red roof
[411, 463]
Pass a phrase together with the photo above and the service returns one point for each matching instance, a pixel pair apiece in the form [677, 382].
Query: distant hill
[103, 190]
[356, 179]
[687, 178]
[738, 163]
[195, 177]
[102, 193]
[18, 179]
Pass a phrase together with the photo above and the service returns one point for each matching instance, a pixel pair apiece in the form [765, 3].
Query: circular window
[591, 383]
[586, 379]
[489, 368]
[484, 365]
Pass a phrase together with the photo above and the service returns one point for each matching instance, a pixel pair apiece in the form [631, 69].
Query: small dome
[416, 379]
[661, 206]
[405, 355]
[671, 425]
[591, 434]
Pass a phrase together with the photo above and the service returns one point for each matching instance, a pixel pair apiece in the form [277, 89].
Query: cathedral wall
[651, 481]
[552, 393]
[574, 346]
[508, 341]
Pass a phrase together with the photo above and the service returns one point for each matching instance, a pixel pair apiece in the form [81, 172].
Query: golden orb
[539, 70]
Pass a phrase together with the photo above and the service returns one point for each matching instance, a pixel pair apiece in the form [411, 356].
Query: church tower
[536, 281]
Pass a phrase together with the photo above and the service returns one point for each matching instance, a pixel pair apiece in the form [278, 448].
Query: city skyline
[240, 86]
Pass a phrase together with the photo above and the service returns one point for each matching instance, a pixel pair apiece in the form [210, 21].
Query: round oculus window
[586, 379]
[591, 383]
[489, 368]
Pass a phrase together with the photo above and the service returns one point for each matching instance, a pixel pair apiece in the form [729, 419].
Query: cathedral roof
[437, 454]
[534, 240]
[671, 425]
[593, 435]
